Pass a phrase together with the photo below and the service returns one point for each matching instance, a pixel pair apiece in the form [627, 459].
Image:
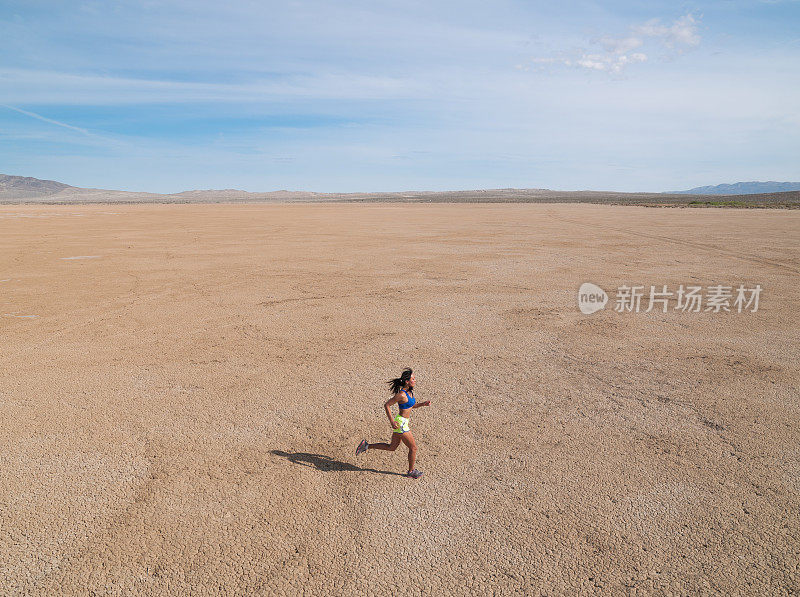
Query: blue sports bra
[408, 403]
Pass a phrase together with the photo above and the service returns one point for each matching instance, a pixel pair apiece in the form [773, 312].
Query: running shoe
[415, 474]
[362, 447]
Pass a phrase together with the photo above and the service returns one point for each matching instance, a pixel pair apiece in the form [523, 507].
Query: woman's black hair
[399, 382]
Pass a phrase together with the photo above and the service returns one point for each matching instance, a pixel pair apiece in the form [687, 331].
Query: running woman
[402, 390]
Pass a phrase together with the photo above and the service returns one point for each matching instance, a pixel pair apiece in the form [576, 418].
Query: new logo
[591, 298]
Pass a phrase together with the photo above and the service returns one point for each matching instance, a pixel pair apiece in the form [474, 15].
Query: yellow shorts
[403, 424]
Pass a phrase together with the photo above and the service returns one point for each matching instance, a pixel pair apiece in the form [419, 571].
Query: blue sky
[166, 96]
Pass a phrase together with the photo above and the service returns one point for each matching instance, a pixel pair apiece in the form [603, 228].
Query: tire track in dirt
[678, 241]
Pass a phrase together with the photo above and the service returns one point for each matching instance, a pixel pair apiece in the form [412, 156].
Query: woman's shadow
[326, 463]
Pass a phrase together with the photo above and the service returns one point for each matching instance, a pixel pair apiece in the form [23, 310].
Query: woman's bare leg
[391, 447]
[408, 440]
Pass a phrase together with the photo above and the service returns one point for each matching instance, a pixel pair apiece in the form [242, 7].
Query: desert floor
[183, 386]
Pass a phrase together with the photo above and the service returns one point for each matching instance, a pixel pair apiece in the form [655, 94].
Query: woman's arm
[426, 403]
[388, 408]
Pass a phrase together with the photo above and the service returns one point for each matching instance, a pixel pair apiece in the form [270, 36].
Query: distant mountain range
[24, 186]
[20, 189]
[742, 188]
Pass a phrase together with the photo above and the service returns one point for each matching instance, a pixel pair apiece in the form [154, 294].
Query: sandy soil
[182, 388]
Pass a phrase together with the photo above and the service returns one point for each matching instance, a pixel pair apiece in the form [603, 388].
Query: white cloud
[609, 63]
[618, 52]
[621, 45]
[682, 32]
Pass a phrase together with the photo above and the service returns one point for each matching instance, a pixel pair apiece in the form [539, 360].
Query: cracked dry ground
[181, 403]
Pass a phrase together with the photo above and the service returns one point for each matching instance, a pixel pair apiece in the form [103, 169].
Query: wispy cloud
[681, 34]
[616, 53]
[48, 87]
[85, 137]
[50, 120]
[609, 62]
